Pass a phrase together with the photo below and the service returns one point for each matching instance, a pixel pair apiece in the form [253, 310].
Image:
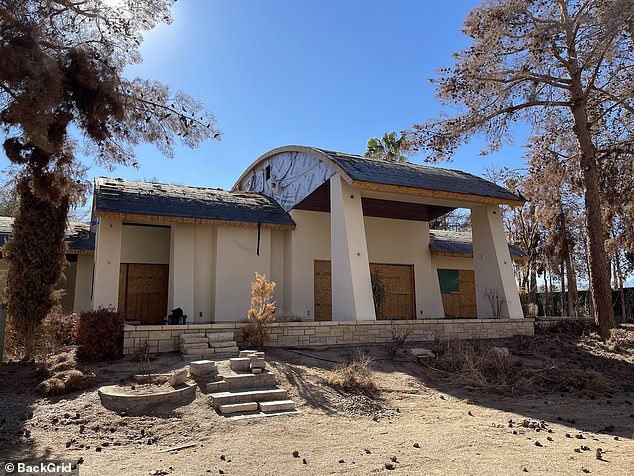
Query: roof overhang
[167, 219]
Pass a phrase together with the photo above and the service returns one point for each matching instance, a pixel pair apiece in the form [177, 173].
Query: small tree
[261, 312]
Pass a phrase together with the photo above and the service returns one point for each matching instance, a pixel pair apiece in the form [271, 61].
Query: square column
[105, 291]
[181, 270]
[493, 266]
[351, 285]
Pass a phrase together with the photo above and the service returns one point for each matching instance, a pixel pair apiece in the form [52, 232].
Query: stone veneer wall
[312, 334]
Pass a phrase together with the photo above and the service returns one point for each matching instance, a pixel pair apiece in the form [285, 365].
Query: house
[316, 222]
[322, 225]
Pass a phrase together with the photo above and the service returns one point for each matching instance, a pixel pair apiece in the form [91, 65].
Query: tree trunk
[619, 275]
[599, 270]
[572, 285]
[562, 279]
[551, 296]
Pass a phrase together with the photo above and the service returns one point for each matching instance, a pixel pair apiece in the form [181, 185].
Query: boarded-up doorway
[399, 303]
[143, 291]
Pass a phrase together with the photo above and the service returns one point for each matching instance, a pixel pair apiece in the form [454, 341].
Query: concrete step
[197, 345]
[277, 405]
[202, 367]
[264, 395]
[216, 387]
[205, 352]
[240, 364]
[185, 339]
[194, 334]
[238, 407]
[220, 336]
[222, 343]
[226, 350]
[250, 381]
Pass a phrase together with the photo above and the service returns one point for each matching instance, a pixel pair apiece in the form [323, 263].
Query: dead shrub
[142, 352]
[63, 376]
[474, 365]
[355, 377]
[397, 341]
[99, 334]
[255, 331]
[576, 327]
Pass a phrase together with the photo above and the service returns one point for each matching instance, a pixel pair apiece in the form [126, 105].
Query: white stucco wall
[309, 241]
[107, 262]
[181, 269]
[236, 264]
[145, 244]
[83, 283]
[204, 275]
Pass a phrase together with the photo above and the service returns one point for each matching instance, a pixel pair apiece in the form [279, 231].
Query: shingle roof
[457, 243]
[158, 199]
[406, 174]
[78, 234]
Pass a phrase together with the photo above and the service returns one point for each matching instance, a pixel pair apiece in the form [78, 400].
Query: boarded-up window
[458, 292]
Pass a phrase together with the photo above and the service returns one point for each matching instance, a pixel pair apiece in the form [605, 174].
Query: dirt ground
[425, 421]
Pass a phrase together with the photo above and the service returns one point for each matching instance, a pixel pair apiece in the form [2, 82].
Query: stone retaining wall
[311, 334]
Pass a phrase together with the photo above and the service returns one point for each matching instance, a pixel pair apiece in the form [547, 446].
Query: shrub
[99, 334]
[355, 377]
[397, 341]
[255, 332]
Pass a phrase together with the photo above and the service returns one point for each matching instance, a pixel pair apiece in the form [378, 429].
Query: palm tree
[388, 148]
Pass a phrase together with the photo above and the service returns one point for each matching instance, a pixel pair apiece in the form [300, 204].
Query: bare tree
[529, 59]
[61, 69]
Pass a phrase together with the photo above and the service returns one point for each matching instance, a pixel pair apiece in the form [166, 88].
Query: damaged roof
[459, 243]
[126, 197]
[406, 174]
[78, 235]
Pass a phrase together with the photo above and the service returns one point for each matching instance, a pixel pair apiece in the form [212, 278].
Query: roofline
[429, 193]
[293, 148]
[194, 221]
[421, 192]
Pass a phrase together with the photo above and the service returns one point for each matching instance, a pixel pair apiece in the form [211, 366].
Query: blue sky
[327, 73]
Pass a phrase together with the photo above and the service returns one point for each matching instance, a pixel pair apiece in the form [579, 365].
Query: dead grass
[355, 377]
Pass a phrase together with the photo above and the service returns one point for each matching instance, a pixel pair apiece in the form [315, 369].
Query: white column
[351, 284]
[83, 283]
[428, 296]
[493, 265]
[181, 272]
[107, 263]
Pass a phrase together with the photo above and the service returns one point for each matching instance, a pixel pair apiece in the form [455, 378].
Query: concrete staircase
[253, 394]
[212, 345]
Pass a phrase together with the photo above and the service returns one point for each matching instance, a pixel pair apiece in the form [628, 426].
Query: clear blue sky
[329, 73]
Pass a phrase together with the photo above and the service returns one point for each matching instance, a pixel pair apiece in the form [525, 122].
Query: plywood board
[143, 291]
